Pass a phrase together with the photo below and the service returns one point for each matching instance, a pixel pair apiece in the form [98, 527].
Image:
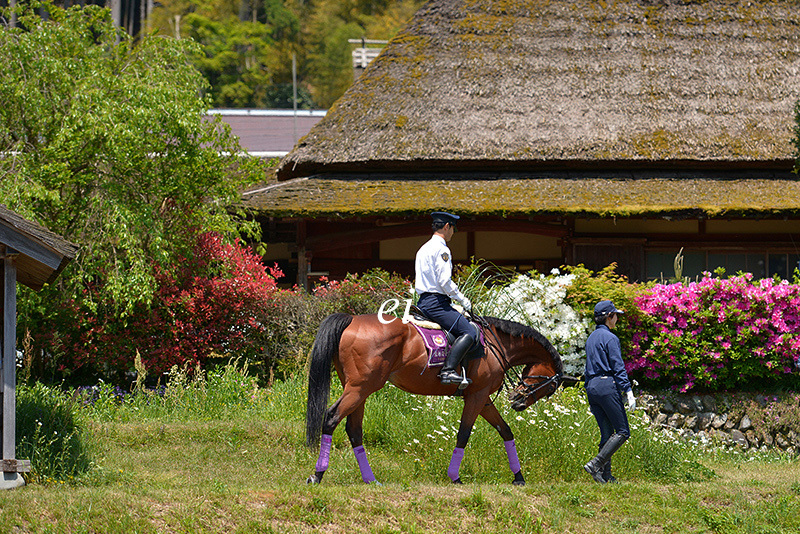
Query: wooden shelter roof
[42, 254]
[532, 86]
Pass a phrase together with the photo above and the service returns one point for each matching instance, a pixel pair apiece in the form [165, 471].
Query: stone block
[709, 403]
[719, 420]
[739, 438]
[690, 422]
[676, 420]
[745, 423]
[685, 407]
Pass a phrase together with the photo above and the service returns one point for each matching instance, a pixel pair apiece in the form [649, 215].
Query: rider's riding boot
[607, 476]
[596, 464]
[457, 352]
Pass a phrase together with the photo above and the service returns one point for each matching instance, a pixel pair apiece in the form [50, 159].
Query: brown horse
[367, 352]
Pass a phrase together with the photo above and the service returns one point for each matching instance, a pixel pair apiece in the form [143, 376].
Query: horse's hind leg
[350, 405]
[329, 424]
[493, 417]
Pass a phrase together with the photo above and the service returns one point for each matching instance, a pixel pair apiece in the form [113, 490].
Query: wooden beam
[29, 247]
[380, 233]
[16, 466]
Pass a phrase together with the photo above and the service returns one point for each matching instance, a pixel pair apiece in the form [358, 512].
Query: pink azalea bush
[716, 333]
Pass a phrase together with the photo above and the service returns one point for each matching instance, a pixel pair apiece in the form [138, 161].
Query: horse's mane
[513, 328]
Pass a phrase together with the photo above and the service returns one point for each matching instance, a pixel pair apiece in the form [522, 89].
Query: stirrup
[450, 377]
[464, 380]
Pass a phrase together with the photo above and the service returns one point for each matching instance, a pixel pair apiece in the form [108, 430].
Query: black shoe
[607, 476]
[595, 468]
[449, 376]
[596, 465]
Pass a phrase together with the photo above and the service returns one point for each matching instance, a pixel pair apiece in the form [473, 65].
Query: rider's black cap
[443, 216]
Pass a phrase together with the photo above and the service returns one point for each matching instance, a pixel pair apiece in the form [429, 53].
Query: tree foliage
[217, 302]
[247, 47]
[105, 142]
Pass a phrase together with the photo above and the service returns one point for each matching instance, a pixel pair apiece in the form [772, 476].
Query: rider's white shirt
[434, 269]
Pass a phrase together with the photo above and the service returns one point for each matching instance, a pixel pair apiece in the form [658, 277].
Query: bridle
[527, 389]
[532, 389]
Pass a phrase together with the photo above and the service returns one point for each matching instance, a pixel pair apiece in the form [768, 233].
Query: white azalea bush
[539, 301]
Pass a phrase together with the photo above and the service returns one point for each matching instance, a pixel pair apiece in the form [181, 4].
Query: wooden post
[302, 255]
[11, 467]
[8, 383]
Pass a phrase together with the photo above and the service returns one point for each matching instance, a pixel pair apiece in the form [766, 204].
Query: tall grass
[411, 436]
[52, 433]
[554, 438]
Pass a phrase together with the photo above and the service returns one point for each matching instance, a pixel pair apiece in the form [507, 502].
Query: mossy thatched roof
[526, 84]
[681, 194]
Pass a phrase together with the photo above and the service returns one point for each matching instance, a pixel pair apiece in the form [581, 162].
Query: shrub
[588, 288]
[538, 300]
[560, 306]
[717, 333]
[298, 314]
[52, 434]
[216, 301]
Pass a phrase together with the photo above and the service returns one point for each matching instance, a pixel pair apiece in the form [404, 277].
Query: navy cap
[442, 216]
[605, 307]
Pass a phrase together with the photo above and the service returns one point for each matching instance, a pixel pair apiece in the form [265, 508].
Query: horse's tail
[326, 345]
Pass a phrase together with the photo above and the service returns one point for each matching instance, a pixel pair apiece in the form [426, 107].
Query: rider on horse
[434, 267]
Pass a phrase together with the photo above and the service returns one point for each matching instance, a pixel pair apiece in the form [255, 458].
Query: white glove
[631, 400]
[466, 304]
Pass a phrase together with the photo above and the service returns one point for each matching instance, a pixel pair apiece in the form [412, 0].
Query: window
[660, 265]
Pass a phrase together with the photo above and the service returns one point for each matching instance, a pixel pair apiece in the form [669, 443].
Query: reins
[505, 364]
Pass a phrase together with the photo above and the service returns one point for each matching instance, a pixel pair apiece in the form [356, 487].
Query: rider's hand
[466, 304]
[631, 400]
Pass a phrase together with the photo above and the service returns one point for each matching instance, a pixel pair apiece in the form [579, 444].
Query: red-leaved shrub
[214, 302]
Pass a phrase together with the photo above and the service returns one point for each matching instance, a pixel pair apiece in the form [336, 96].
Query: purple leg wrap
[513, 459]
[363, 464]
[324, 453]
[455, 463]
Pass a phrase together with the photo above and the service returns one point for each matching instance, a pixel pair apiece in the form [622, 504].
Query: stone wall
[721, 418]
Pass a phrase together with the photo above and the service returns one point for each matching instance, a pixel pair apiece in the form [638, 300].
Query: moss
[324, 197]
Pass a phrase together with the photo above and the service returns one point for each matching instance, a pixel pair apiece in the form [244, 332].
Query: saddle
[438, 341]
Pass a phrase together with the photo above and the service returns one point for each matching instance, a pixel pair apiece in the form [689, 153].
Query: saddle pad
[436, 343]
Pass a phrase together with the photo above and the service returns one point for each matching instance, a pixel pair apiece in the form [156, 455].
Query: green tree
[247, 46]
[245, 49]
[105, 141]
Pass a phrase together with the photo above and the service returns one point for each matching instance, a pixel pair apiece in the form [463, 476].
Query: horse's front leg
[472, 407]
[494, 418]
[355, 431]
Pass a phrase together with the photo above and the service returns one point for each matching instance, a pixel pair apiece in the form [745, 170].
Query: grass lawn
[223, 455]
[249, 476]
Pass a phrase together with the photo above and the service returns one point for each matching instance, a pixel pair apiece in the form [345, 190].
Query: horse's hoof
[518, 482]
[518, 479]
[312, 480]
[457, 481]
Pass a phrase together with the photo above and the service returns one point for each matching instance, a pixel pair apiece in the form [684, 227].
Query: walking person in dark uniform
[436, 289]
[606, 382]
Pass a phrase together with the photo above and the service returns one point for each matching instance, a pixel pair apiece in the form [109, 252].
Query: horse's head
[533, 387]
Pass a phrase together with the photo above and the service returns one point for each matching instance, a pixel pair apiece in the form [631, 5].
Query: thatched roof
[41, 254]
[677, 194]
[521, 85]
